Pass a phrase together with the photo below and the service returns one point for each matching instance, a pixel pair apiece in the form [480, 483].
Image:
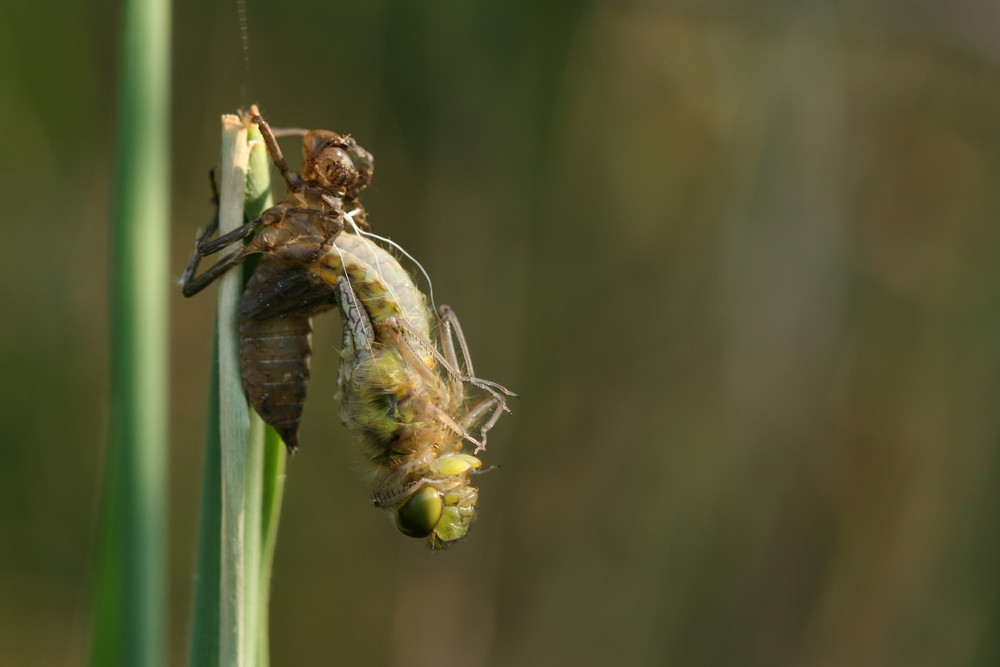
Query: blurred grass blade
[130, 599]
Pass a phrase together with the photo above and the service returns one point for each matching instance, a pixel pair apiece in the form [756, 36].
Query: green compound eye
[418, 515]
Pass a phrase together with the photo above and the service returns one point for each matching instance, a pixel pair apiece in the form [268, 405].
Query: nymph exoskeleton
[283, 294]
[404, 400]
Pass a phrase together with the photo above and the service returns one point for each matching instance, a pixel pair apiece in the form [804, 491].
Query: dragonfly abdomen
[378, 408]
[274, 362]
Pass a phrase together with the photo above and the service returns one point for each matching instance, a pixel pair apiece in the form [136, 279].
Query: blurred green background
[741, 265]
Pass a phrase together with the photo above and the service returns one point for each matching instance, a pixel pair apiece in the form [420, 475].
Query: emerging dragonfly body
[413, 408]
[403, 399]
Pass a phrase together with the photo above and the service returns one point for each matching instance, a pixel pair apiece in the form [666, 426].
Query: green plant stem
[234, 417]
[130, 598]
[275, 457]
[244, 470]
[272, 464]
[205, 617]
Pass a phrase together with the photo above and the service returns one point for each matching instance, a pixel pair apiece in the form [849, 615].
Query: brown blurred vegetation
[742, 268]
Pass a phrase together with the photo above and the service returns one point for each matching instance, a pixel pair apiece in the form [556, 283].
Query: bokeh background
[742, 265]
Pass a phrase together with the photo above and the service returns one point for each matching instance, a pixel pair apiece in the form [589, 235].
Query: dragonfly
[415, 406]
[407, 388]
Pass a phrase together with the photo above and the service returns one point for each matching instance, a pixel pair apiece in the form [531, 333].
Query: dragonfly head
[337, 162]
[443, 508]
